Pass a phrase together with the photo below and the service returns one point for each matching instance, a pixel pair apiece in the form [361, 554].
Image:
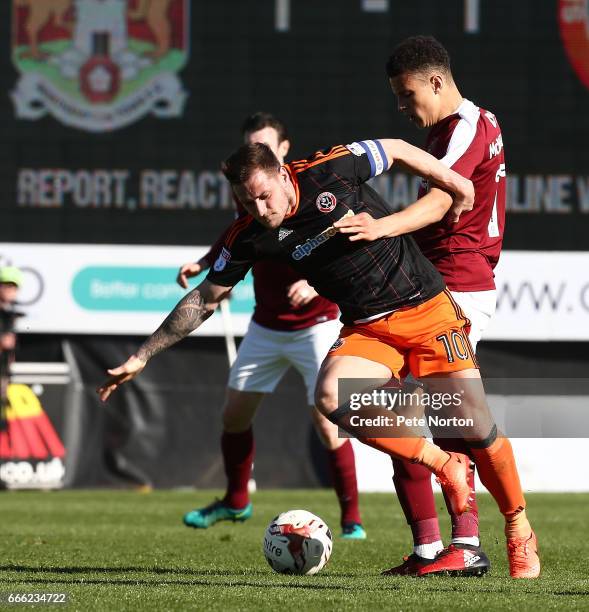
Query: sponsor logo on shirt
[283, 233]
[495, 147]
[222, 260]
[326, 202]
[305, 249]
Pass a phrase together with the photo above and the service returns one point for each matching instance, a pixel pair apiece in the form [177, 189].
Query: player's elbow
[209, 309]
[394, 149]
[440, 212]
[212, 295]
[439, 206]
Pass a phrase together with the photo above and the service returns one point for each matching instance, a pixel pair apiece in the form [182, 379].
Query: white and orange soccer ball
[297, 542]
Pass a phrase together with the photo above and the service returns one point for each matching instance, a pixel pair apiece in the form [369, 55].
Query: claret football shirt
[470, 142]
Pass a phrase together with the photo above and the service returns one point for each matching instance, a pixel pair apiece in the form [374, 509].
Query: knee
[231, 422]
[234, 419]
[328, 432]
[325, 399]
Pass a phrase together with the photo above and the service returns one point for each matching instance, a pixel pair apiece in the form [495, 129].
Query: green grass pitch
[113, 550]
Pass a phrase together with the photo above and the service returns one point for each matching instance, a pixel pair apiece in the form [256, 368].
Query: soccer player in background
[467, 139]
[291, 326]
[11, 279]
[398, 316]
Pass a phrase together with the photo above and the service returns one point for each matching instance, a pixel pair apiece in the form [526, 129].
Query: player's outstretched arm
[190, 312]
[422, 163]
[428, 209]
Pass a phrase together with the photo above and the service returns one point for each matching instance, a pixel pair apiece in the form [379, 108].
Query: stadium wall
[164, 431]
[77, 180]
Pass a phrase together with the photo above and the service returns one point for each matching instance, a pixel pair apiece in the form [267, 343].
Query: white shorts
[479, 307]
[265, 355]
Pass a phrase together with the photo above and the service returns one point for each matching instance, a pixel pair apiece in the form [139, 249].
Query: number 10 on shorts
[455, 345]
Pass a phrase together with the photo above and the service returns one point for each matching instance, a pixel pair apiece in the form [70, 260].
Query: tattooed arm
[192, 310]
[187, 315]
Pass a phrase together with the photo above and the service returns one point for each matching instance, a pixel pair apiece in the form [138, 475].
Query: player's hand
[7, 341]
[120, 375]
[300, 293]
[462, 201]
[360, 227]
[186, 271]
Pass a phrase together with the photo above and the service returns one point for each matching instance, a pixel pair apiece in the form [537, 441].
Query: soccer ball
[297, 542]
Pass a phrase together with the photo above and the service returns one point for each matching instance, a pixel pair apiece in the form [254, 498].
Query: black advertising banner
[116, 113]
[32, 452]
[162, 431]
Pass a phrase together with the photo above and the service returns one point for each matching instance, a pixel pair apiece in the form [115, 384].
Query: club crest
[326, 202]
[99, 65]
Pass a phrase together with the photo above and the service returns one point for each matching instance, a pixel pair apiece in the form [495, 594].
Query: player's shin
[414, 492]
[381, 429]
[238, 454]
[498, 472]
[465, 526]
[400, 441]
[343, 473]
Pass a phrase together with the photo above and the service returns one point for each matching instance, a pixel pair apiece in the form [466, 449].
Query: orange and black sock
[498, 472]
[416, 450]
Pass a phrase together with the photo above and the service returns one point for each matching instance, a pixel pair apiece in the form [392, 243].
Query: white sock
[472, 540]
[428, 551]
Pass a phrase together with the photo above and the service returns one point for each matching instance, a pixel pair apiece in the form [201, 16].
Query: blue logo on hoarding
[144, 289]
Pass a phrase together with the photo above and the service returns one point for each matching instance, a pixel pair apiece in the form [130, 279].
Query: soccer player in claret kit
[467, 139]
[291, 326]
[395, 307]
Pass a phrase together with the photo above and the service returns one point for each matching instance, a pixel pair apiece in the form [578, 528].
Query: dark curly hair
[418, 54]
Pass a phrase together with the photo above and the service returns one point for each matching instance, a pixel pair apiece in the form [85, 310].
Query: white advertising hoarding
[544, 465]
[109, 289]
[541, 296]
[113, 289]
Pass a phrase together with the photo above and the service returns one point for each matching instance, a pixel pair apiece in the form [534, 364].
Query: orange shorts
[431, 338]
